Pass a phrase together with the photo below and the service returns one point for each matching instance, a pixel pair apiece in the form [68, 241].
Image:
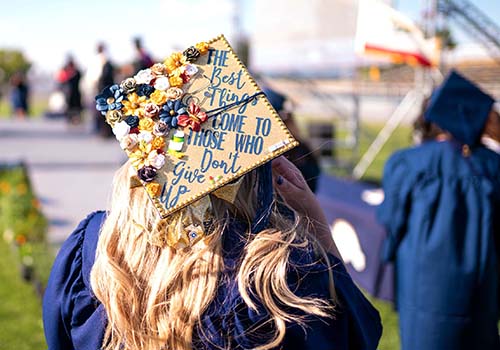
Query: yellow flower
[158, 143]
[145, 147]
[138, 158]
[175, 62]
[202, 47]
[153, 189]
[146, 124]
[22, 188]
[134, 104]
[4, 187]
[175, 81]
[159, 97]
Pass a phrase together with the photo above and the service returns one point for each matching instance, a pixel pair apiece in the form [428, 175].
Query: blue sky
[49, 29]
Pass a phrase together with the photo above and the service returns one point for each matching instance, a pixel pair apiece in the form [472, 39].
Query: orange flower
[153, 189]
[159, 97]
[175, 81]
[175, 63]
[134, 104]
[146, 124]
[158, 143]
[202, 47]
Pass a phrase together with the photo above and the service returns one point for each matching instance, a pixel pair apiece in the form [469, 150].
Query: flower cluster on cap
[143, 109]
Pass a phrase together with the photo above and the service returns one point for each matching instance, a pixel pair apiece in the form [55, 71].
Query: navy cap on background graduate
[441, 212]
[461, 108]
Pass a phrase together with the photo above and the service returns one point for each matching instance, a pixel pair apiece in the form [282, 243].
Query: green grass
[20, 309]
[37, 108]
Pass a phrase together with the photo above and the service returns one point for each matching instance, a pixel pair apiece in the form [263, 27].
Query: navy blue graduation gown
[441, 211]
[74, 319]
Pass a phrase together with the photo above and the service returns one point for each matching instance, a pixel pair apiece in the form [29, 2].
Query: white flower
[144, 76]
[129, 141]
[162, 83]
[191, 69]
[121, 130]
[145, 136]
[156, 159]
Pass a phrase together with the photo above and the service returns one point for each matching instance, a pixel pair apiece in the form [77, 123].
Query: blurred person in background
[142, 59]
[441, 211]
[100, 74]
[302, 156]
[19, 94]
[69, 79]
[491, 135]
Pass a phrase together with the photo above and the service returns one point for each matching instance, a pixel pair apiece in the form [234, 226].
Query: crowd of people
[68, 100]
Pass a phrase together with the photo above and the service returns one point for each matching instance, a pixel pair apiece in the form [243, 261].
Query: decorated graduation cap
[461, 108]
[191, 125]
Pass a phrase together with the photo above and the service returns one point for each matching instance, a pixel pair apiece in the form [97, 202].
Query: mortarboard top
[276, 99]
[193, 124]
[461, 108]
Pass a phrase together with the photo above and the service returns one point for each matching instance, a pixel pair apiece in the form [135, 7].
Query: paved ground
[71, 169]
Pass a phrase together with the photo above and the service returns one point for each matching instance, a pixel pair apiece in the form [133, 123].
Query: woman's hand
[293, 188]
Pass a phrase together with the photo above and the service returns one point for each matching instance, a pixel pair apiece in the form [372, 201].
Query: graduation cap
[461, 108]
[276, 99]
[194, 123]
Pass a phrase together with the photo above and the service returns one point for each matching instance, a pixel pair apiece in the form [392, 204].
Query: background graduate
[441, 211]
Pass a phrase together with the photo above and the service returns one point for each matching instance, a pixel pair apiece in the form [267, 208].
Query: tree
[11, 61]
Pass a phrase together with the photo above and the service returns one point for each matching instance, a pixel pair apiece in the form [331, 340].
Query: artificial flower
[121, 130]
[146, 124]
[162, 83]
[171, 111]
[153, 189]
[158, 143]
[156, 160]
[175, 62]
[185, 77]
[174, 93]
[138, 158]
[191, 69]
[194, 118]
[158, 97]
[191, 54]
[176, 81]
[133, 121]
[202, 47]
[151, 110]
[145, 90]
[159, 70]
[135, 130]
[113, 116]
[133, 104]
[109, 99]
[147, 173]
[161, 129]
[144, 76]
[145, 136]
[129, 142]
[128, 85]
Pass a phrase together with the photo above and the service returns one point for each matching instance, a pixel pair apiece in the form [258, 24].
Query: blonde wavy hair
[155, 297]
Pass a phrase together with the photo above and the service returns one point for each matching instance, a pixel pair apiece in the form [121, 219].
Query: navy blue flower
[171, 111]
[110, 99]
[144, 90]
[132, 121]
[147, 173]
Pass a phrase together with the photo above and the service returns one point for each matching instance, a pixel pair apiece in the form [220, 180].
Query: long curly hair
[155, 297]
